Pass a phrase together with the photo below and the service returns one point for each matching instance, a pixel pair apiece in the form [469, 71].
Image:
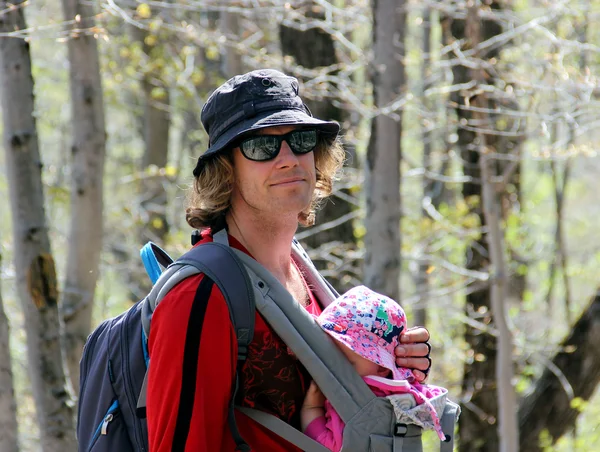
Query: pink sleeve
[327, 430]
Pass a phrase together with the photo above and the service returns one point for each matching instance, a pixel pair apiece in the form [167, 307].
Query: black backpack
[115, 357]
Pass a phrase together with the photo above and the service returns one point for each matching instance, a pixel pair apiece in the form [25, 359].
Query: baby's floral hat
[369, 324]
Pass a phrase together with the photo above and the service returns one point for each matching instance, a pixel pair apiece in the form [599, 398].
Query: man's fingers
[422, 364]
[408, 350]
[415, 334]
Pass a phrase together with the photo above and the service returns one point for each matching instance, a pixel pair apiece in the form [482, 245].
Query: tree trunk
[231, 61]
[382, 239]
[34, 264]
[421, 278]
[314, 49]
[88, 152]
[156, 128]
[9, 429]
[508, 435]
[478, 421]
[574, 373]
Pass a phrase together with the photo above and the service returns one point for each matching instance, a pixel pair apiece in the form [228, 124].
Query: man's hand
[413, 352]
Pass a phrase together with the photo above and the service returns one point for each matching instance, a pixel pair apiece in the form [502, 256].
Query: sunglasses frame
[280, 139]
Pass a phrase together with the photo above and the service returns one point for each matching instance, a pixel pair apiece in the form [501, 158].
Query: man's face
[281, 186]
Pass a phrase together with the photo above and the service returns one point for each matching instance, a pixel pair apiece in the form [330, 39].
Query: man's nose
[286, 157]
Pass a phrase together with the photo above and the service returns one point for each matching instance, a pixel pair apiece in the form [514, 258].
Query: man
[268, 165]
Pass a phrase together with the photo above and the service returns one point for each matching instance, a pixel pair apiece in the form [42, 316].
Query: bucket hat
[253, 101]
[369, 324]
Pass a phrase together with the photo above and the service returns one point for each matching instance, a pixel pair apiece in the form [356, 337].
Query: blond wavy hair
[209, 199]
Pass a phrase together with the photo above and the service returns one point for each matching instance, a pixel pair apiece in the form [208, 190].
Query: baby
[366, 327]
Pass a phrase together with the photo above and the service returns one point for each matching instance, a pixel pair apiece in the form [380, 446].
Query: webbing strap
[284, 430]
[448, 421]
[190, 365]
[295, 326]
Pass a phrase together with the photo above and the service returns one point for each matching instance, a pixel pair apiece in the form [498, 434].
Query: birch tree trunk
[34, 264]
[87, 168]
[508, 432]
[382, 239]
[9, 441]
[314, 49]
[419, 270]
[478, 420]
[231, 60]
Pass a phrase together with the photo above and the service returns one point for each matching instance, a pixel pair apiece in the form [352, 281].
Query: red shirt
[272, 379]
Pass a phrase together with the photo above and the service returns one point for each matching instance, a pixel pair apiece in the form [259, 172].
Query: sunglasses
[261, 148]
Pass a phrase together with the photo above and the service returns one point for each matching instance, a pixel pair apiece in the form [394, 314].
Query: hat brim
[270, 119]
[376, 355]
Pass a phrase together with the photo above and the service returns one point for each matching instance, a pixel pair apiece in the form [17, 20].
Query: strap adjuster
[400, 429]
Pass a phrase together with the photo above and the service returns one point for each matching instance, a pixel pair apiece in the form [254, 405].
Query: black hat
[253, 101]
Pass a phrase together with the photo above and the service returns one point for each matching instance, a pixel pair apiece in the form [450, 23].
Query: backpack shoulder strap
[218, 263]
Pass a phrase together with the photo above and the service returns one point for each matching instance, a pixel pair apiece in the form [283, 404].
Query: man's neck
[269, 240]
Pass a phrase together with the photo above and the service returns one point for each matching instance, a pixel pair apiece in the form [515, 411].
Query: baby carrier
[111, 413]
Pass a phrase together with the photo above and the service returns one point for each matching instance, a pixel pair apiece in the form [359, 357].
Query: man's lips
[289, 180]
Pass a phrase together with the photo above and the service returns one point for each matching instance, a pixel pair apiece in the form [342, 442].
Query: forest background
[469, 193]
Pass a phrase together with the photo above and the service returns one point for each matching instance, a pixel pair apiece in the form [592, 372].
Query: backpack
[115, 359]
[111, 414]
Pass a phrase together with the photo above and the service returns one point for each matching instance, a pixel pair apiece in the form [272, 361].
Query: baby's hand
[313, 406]
[314, 397]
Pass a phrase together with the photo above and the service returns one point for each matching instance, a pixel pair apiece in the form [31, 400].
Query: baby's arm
[313, 406]
[321, 422]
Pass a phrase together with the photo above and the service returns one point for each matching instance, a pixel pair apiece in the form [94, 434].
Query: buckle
[400, 429]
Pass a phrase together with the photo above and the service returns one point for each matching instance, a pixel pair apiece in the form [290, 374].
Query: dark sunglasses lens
[302, 141]
[260, 148]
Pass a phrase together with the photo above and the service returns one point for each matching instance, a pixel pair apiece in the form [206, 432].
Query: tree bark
[9, 429]
[384, 154]
[421, 277]
[34, 264]
[156, 130]
[314, 49]
[507, 405]
[574, 372]
[479, 418]
[87, 206]
[231, 62]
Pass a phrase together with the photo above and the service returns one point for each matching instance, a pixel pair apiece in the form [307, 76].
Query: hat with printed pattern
[369, 324]
[253, 101]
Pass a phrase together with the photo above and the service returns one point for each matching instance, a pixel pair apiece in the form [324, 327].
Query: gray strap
[448, 420]
[221, 237]
[398, 444]
[320, 287]
[336, 377]
[141, 404]
[284, 430]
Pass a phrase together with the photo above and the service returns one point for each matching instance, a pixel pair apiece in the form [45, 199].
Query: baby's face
[363, 366]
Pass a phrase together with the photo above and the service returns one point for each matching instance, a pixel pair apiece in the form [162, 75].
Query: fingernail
[401, 350]
[401, 362]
